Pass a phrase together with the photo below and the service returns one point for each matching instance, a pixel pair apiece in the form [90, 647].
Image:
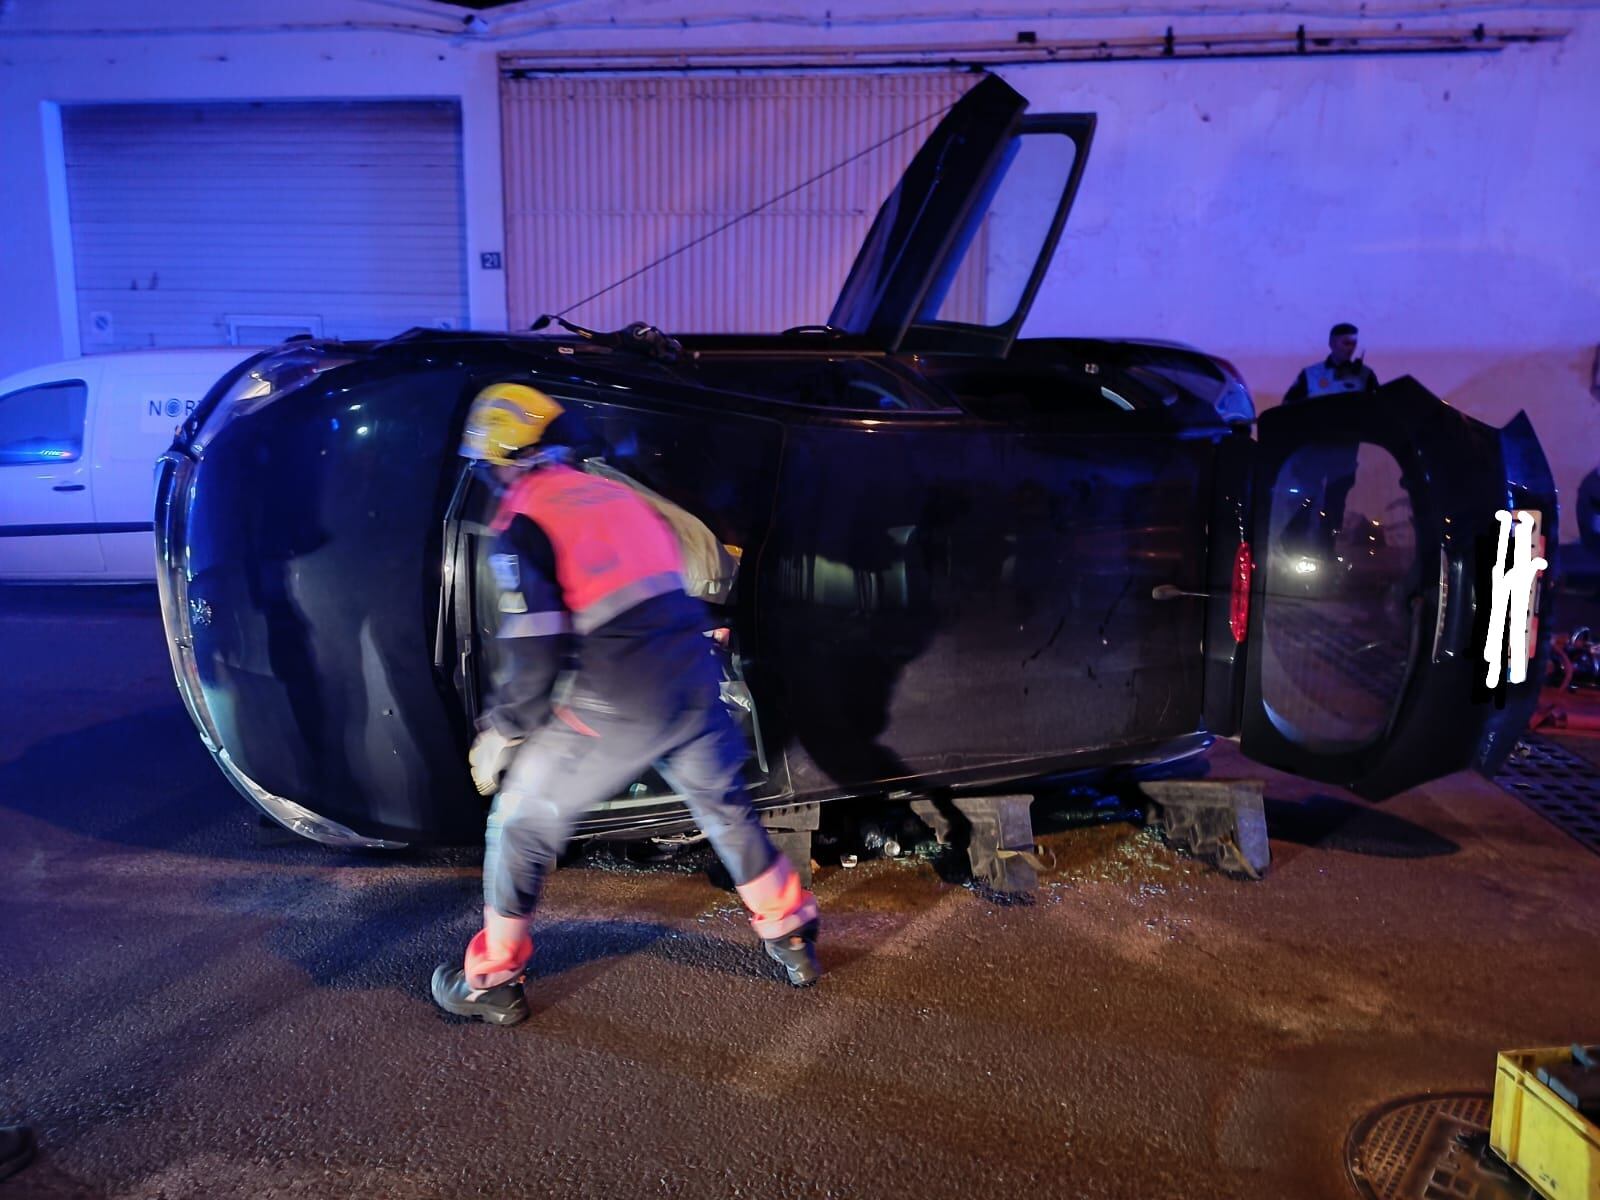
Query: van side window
[43, 423]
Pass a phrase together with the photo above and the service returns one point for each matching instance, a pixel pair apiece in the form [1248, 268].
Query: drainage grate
[1429, 1148]
[1556, 784]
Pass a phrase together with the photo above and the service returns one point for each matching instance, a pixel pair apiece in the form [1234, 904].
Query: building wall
[1445, 204]
[39, 73]
[1442, 202]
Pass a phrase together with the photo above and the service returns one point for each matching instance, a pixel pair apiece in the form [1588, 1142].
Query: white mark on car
[1518, 562]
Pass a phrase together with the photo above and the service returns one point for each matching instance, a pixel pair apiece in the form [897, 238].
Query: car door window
[840, 384]
[860, 385]
[1029, 394]
[982, 282]
[43, 423]
[1339, 631]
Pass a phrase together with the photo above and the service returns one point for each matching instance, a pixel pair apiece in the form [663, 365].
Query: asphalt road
[188, 1013]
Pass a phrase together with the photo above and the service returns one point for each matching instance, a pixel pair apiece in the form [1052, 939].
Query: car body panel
[953, 595]
[307, 611]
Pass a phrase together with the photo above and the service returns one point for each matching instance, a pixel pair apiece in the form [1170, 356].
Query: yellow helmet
[506, 421]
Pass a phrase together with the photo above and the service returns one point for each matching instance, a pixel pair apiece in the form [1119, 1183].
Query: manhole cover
[1558, 785]
[1429, 1148]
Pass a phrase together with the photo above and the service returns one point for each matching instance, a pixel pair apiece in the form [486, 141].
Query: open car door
[1392, 626]
[958, 250]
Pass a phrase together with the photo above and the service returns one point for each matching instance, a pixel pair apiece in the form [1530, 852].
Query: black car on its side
[940, 556]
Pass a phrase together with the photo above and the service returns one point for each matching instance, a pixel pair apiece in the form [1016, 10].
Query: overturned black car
[939, 557]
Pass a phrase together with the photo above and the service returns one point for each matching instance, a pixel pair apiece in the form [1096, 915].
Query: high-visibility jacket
[610, 549]
[585, 570]
[1325, 378]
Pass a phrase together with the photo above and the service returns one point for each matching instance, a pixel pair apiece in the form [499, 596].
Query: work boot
[503, 1004]
[796, 953]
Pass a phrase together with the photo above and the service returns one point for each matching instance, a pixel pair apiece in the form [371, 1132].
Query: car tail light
[1239, 600]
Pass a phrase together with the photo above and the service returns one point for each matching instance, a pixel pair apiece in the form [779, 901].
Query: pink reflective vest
[612, 551]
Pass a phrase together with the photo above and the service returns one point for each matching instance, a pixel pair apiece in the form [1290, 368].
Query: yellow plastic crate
[1551, 1144]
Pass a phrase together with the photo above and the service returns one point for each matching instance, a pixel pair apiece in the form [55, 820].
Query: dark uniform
[1328, 378]
[1327, 471]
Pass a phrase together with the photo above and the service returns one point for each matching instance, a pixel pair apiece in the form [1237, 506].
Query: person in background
[606, 670]
[1326, 471]
[1341, 373]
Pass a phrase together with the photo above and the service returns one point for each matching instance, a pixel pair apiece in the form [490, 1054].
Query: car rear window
[43, 423]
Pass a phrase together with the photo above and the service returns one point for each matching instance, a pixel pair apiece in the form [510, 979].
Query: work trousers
[673, 718]
[581, 758]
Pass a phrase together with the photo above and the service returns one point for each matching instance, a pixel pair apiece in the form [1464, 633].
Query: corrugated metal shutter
[605, 175]
[204, 224]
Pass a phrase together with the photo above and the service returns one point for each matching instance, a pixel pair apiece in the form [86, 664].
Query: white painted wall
[1446, 204]
[1449, 206]
[121, 59]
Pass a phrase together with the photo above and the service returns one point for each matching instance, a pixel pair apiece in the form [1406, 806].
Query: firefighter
[607, 671]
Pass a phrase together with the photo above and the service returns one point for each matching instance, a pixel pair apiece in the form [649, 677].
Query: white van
[78, 445]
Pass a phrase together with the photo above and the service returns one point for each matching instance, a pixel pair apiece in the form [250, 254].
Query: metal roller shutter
[209, 224]
[604, 175]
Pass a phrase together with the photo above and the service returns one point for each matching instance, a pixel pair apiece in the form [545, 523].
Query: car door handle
[67, 487]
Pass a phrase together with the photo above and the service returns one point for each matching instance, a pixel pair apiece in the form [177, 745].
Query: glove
[489, 757]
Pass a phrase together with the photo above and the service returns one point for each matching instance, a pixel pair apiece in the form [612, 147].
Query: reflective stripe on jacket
[612, 551]
[1323, 379]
